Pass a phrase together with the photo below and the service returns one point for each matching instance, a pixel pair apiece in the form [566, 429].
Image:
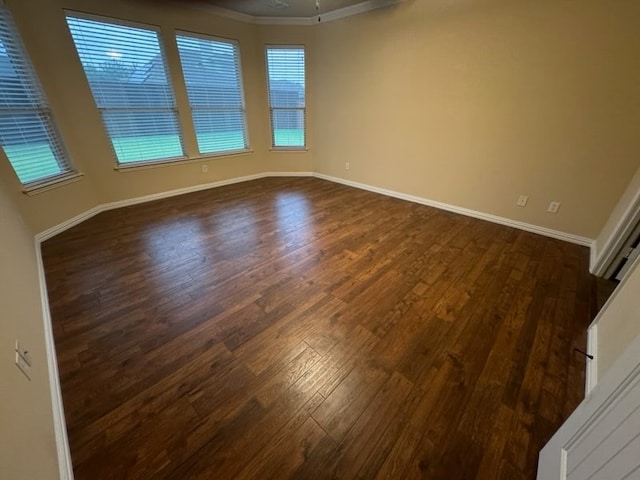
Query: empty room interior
[340, 239]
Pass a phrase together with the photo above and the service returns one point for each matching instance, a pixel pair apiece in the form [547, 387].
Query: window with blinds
[211, 70]
[27, 133]
[285, 71]
[127, 73]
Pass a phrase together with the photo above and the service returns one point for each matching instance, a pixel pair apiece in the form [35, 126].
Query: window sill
[127, 167]
[289, 149]
[50, 184]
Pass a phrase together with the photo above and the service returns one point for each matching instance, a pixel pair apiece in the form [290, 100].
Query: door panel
[601, 439]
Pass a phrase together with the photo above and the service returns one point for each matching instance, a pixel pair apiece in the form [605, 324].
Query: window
[127, 73]
[27, 133]
[285, 71]
[211, 71]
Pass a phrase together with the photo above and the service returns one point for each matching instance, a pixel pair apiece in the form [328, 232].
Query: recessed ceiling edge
[330, 16]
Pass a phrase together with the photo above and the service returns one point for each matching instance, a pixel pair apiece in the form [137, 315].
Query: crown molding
[325, 17]
[356, 9]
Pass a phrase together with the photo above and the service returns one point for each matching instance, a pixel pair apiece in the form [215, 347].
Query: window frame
[192, 109]
[41, 108]
[168, 70]
[285, 148]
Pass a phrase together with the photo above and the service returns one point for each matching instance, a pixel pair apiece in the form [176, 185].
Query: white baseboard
[65, 467]
[289, 174]
[61, 227]
[593, 258]
[179, 191]
[67, 224]
[568, 237]
[547, 232]
[591, 375]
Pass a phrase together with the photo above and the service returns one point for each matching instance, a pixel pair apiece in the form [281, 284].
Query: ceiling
[280, 12]
[283, 8]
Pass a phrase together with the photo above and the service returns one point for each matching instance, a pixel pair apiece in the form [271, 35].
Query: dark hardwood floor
[296, 328]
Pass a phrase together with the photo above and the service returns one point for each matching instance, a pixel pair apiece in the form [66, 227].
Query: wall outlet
[205, 168]
[522, 200]
[553, 207]
[347, 166]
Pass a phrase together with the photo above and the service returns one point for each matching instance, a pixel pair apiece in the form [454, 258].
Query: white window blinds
[127, 73]
[27, 132]
[285, 71]
[211, 70]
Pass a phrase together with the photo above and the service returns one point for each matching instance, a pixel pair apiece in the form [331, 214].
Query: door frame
[603, 257]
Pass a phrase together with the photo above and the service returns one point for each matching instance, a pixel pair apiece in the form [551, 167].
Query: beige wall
[475, 103]
[28, 445]
[44, 30]
[619, 322]
[470, 104]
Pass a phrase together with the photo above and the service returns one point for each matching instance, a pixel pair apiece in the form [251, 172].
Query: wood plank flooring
[296, 328]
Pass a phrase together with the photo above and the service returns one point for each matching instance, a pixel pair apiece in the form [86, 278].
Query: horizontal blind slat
[27, 133]
[127, 73]
[211, 70]
[287, 96]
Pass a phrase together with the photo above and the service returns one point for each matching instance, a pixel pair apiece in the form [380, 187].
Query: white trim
[365, 6]
[179, 191]
[65, 467]
[96, 17]
[246, 18]
[226, 13]
[547, 232]
[602, 257]
[285, 20]
[288, 149]
[591, 375]
[46, 185]
[568, 237]
[593, 254]
[67, 224]
[289, 174]
[355, 9]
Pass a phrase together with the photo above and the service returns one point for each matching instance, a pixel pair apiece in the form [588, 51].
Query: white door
[601, 439]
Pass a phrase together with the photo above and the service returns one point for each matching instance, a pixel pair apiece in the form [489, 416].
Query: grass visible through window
[29, 171]
[288, 137]
[130, 149]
